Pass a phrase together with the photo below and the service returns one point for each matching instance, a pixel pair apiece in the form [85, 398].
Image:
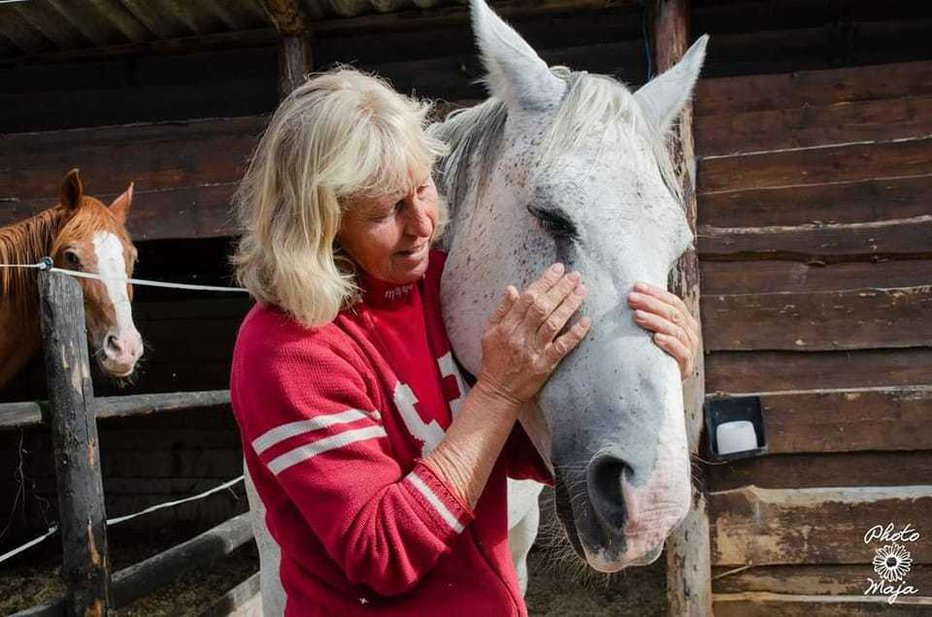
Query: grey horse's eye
[554, 222]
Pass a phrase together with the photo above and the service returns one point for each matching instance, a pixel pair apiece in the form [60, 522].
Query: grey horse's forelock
[590, 103]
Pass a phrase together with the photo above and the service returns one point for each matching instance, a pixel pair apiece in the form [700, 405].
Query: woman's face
[389, 236]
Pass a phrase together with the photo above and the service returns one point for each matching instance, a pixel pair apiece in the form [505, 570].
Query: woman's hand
[676, 332]
[520, 346]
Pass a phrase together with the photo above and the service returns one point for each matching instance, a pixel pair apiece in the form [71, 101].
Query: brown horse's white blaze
[81, 234]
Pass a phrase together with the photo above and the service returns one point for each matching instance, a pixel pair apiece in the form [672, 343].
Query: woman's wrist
[496, 394]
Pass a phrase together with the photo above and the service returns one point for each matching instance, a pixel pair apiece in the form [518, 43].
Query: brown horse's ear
[71, 191]
[120, 205]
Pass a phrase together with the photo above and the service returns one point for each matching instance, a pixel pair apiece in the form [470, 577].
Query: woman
[384, 483]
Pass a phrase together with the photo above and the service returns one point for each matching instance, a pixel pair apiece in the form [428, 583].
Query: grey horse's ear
[663, 97]
[514, 71]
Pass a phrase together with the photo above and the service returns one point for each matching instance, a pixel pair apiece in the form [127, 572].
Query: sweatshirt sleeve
[524, 461]
[306, 414]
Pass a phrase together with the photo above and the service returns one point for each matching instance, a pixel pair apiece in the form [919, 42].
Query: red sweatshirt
[335, 421]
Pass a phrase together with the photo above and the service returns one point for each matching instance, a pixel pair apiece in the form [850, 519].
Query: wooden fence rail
[35, 413]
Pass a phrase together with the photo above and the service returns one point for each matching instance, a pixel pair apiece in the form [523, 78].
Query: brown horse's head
[93, 239]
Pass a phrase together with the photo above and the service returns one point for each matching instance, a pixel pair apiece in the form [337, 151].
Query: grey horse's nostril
[113, 343]
[605, 475]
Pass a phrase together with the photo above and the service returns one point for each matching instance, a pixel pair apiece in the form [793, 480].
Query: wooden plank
[760, 526]
[233, 600]
[903, 237]
[144, 577]
[294, 62]
[809, 579]
[757, 131]
[819, 321]
[832, 44]
[813, 88]
[816, 166]
[148, 575]
[83, 519]
[154, 156]
[762, 604]
[141, 404]
[736, 372]
[765, 276]
[891, 468]
[19, 415]
[848, 420]
[845, 202]
[689, 589]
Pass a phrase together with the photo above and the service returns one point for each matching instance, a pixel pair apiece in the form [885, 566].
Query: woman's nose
[419, 221]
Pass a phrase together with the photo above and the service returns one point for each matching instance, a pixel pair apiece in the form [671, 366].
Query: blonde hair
[341, 134]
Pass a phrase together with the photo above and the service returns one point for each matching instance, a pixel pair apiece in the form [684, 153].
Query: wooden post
[294, 62]
[83, 521]
[294, 46]
[689, 584]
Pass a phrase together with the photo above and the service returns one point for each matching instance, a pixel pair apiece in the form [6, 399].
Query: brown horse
[80, 233]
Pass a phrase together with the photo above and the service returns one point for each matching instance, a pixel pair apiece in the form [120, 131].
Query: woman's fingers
[676, 348]
[529, 296]
[508, 301]
[676, 314]
[655, 323]
[559, 317]
[567, 342]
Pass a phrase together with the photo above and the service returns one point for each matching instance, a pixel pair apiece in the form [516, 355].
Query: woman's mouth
[414, 252]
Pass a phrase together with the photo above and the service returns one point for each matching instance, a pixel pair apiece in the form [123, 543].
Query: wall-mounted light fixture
[735, 427]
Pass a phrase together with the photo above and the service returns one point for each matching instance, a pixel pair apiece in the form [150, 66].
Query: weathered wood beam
[816, 165]
[20, 415]
[772, 276]
[689, 589]
[83, 520]
[865, 468]
[295, 61]
[763, 526]
[764, 604]
[148, 575]
[294, 47]
[821, 579]
[242, 599]
[820, 321]
[880, 419]
[800, 89]
[142, 404]
[737, 372]
[875, 199]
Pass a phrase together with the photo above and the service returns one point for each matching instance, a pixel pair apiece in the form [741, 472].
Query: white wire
[121, 519]
[16, 551]
[169, 504]
[121, 279]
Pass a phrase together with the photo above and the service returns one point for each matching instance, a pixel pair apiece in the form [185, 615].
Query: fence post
[83, 521]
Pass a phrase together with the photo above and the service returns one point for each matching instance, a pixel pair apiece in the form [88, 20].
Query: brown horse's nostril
[113, 344]
[605, 475]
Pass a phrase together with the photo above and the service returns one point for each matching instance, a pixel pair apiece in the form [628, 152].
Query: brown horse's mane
[26, 242]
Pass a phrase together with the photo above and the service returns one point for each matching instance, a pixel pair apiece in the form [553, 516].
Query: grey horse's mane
[474, 135]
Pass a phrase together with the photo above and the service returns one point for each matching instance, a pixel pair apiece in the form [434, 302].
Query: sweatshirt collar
[380, 293]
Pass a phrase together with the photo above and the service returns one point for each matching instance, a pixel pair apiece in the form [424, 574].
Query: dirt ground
[557, 588]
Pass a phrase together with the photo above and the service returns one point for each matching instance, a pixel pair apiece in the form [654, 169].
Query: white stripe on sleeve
[286, 431]
[438, 505]
[309, 451]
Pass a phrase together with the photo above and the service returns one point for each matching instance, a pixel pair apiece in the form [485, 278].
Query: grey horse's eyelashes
[554, 222]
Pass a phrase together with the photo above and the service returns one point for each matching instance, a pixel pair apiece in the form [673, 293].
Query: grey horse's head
[572, 167]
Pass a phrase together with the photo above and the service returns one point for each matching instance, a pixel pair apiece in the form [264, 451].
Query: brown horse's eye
[72, 259]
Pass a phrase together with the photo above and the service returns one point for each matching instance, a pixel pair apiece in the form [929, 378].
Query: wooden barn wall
[815, 243]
